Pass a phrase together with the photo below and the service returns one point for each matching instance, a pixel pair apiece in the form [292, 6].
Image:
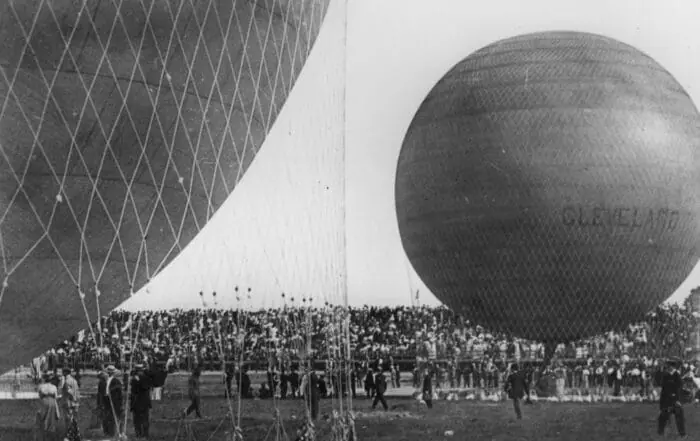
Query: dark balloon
[123, 127]
[548, 186]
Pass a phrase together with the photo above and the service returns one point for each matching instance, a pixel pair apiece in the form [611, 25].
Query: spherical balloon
[548, 186]
[123, 127]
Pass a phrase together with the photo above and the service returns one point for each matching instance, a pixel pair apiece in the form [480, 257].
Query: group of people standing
[59, 398]
[145, 386]
[671, 397]
[59, 402]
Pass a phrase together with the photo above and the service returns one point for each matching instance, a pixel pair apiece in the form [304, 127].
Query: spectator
[49, 424]
[194, 394]
[463, 354]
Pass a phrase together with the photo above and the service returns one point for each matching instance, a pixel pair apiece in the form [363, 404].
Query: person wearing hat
[670, 399]
[112, 402]
[140, 399]
[98, 418]
[158, 375]
[516, 387]
[70, 396]
[380, 389]
[311, 392]
[427, 387]
[369, 383]
[49, 425]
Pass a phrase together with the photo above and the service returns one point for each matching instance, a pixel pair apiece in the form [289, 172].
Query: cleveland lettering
[631, 218]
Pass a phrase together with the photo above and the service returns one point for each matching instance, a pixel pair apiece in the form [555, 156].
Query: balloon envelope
[548, 186]
[123, 127]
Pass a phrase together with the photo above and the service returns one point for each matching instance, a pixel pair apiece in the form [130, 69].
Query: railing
[187, 363]
[406, 359]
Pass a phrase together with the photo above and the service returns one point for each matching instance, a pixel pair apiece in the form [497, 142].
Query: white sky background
[396, 51]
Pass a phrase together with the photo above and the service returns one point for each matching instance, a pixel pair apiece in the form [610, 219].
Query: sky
[285, 226]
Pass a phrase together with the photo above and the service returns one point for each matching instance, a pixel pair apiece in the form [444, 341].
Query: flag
[81, 335]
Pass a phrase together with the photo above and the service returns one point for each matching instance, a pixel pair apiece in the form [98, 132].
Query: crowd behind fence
[213, 338]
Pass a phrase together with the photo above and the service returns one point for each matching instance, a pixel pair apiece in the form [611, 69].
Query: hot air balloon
[548, 186]
[123, 127]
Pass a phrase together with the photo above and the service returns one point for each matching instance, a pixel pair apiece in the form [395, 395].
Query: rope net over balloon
[547, 187]
[124, 126]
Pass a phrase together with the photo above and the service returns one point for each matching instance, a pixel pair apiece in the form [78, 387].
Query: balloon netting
[124, 125]
[545, 186]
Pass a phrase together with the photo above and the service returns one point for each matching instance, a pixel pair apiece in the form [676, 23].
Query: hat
[111, 369]
[138, 367]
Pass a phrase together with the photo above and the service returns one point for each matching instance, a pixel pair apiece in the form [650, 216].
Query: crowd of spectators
[204, 337]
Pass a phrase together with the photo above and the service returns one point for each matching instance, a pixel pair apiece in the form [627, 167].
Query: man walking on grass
[516, 388]
[380, 389]
[193, 391]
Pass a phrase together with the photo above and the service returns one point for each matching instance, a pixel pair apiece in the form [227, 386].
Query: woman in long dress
[49, 424]
[560, 374]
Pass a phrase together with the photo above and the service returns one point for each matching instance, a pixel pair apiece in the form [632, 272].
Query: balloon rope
[222, 356]
[240, 357]
[5, 283]
[134, 339]
[349, 365]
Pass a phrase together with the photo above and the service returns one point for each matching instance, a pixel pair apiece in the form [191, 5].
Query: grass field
[406, 420]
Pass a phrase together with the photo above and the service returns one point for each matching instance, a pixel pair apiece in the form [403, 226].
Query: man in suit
[244, 384]
[670, 400]
[158, 374]
[284, 383]
[294, 381]
[380, 389]
[141, 401]
[229, 373]
[312, 394]
[517, 388]
[370, 386]
[100, 410]
[112, 402]
[427, 389]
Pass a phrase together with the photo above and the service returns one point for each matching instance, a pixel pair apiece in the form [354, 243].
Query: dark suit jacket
[101, 391]
[158, 377]
[380, 383]
[294, 379]
[115, 398]
[427, 387]
[516, 385]
[140, 393]
[312, 387]
[369, 381]
[671, 387]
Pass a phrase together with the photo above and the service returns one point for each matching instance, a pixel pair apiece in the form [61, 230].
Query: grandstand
[400, 336]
